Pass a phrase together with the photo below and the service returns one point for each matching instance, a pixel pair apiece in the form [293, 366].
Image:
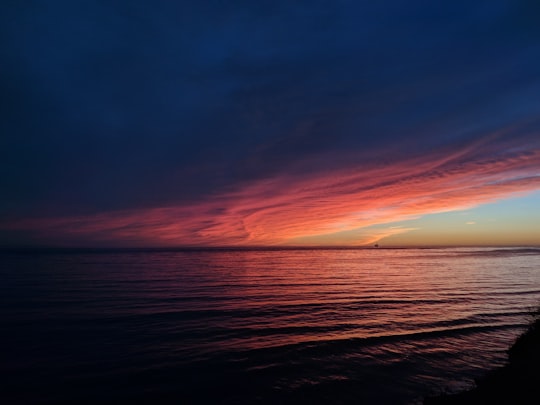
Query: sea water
[234, 326]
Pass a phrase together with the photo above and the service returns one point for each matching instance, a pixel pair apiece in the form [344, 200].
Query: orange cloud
[320, 207]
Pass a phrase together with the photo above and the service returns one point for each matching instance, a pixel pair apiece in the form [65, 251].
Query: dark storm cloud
[112, 105]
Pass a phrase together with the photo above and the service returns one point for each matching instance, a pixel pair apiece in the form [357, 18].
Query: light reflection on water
[248, 326]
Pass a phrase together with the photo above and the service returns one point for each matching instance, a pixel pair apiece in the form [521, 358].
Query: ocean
[258, 326]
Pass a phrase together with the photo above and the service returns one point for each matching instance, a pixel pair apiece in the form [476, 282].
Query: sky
[253, 123]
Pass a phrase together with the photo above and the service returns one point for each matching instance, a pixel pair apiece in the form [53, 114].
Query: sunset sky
[251, 123]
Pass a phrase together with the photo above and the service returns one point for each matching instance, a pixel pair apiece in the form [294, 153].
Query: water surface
[258, 326]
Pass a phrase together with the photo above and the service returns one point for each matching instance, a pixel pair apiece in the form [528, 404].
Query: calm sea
[315, 326]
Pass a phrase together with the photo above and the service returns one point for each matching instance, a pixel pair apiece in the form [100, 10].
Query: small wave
[504, 252]
[325, 347]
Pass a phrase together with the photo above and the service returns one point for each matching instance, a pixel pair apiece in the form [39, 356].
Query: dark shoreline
[518, 382]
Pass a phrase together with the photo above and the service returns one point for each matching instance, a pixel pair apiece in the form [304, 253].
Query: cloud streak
[323, 208]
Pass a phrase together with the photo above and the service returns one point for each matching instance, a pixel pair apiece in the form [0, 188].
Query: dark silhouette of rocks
[518, 382]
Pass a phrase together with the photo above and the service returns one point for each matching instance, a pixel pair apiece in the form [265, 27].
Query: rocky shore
[518, 382]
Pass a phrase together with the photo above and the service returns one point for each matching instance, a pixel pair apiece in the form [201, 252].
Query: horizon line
[252, 247]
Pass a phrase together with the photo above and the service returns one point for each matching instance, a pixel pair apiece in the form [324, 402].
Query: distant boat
[376, 245]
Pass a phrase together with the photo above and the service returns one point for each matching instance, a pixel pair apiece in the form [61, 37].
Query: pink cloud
[291, 208]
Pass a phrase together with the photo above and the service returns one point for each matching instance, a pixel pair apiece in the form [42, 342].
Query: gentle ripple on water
[259, 326]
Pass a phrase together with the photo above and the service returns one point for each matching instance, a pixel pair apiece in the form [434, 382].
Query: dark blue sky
[115, 106]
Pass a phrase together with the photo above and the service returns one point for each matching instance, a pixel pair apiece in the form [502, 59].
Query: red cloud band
[291, 208]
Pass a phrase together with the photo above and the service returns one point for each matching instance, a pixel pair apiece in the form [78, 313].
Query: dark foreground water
[258, 326]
